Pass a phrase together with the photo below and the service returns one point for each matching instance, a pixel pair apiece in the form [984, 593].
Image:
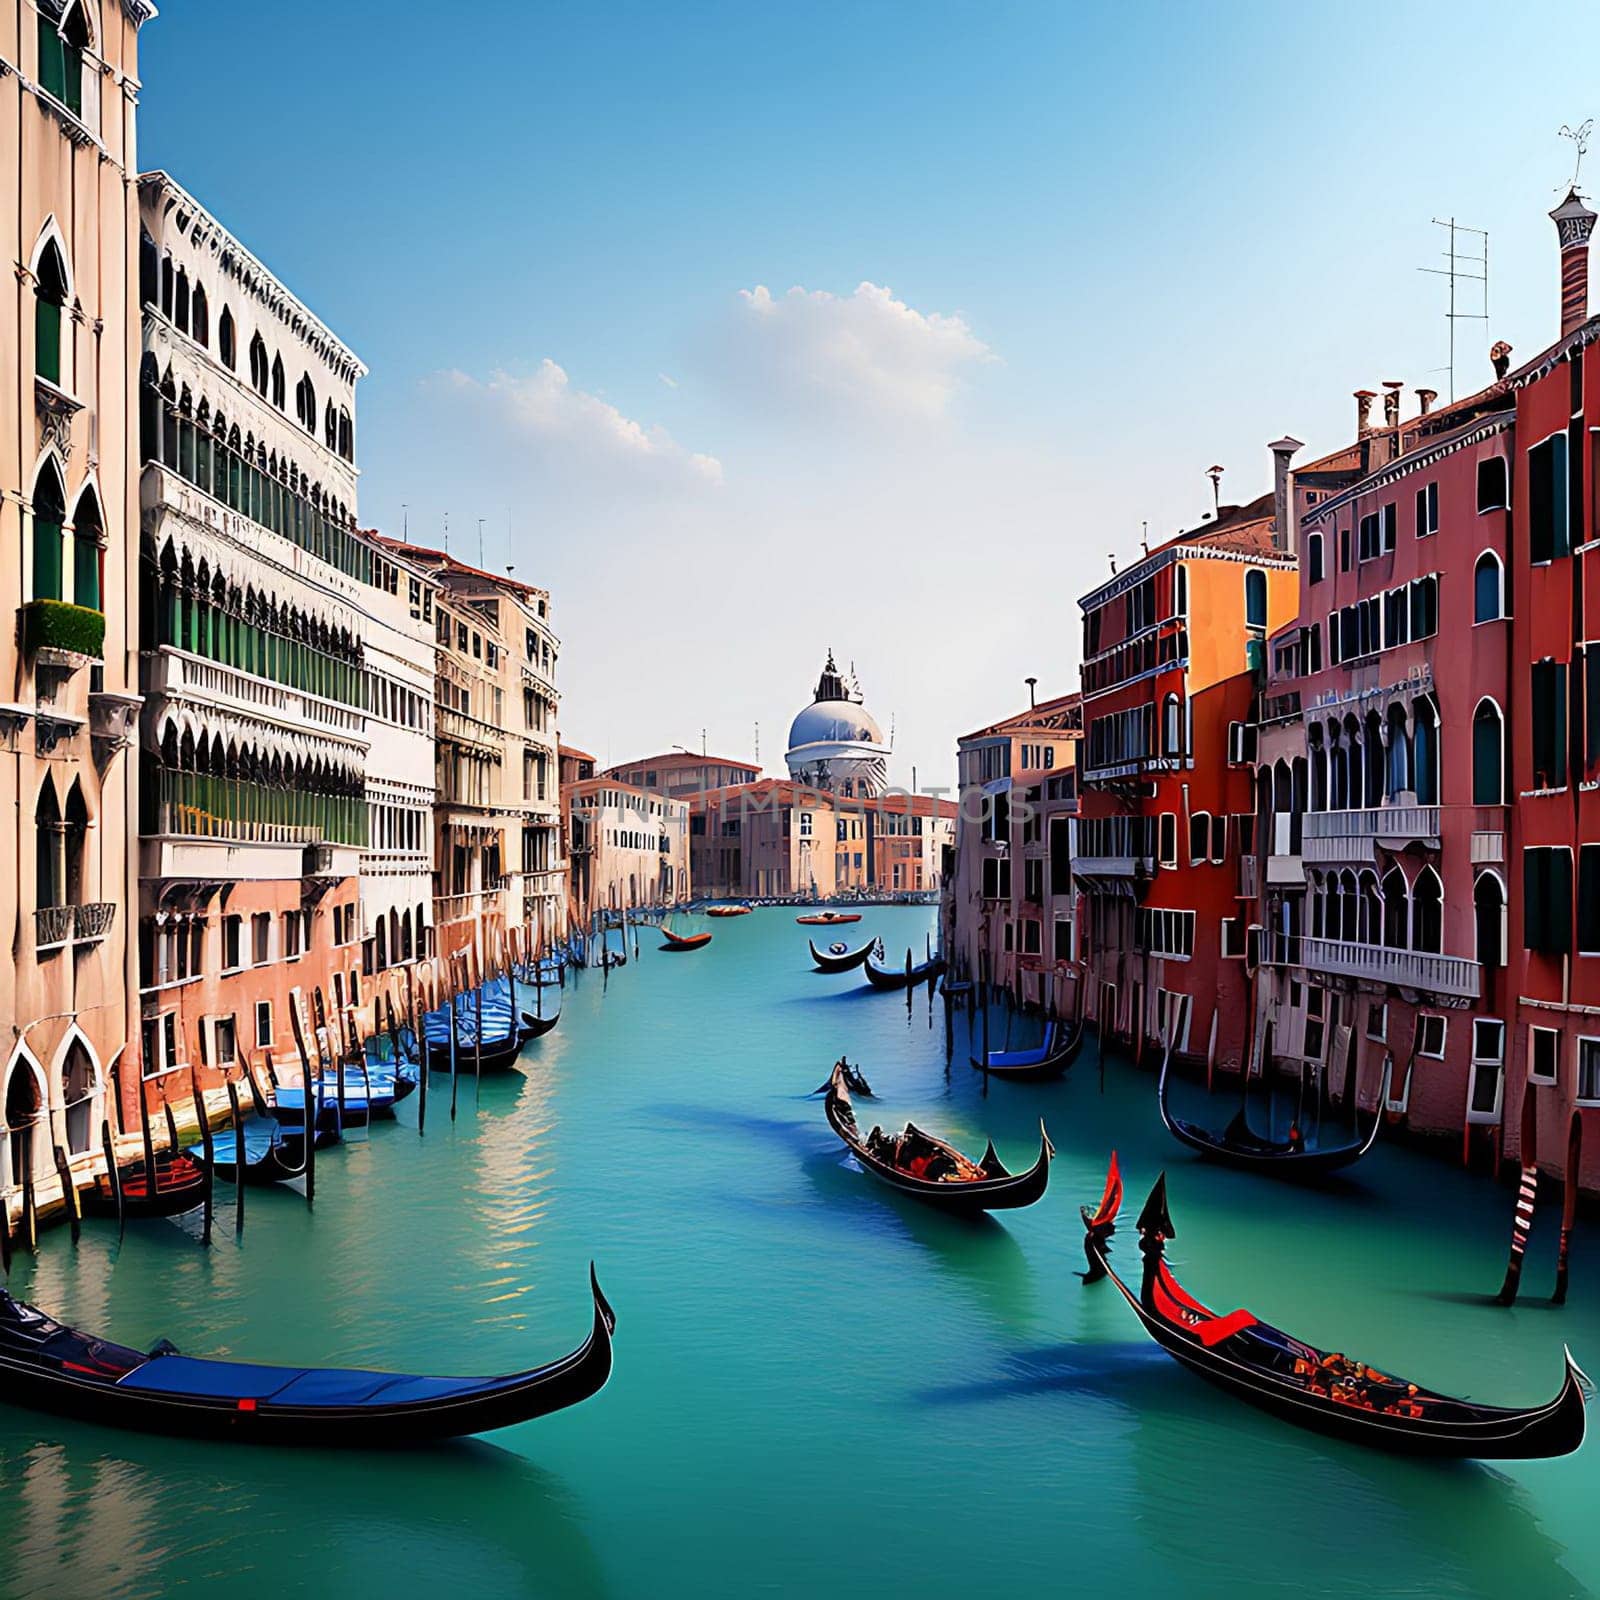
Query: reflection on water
[818, 1380]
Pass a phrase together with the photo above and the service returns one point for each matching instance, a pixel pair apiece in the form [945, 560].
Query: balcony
[1113, 866]
[461, 728]
[61, 635]
[93, 922]
[1452, 976]
[182, 676]
[52, 927]
[1249, 878]
[1341, 837]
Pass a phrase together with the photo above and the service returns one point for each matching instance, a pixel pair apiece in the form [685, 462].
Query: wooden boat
[904, 1161]
[535, 1027]
[272, 1153]
[180, 1185]
[827, 919]
[1056, 1052]
[1310, 1387]
[684, 941]
[839, 957]
[1239, 1146]
[727, 911]
[49, 1367]
[881, 977]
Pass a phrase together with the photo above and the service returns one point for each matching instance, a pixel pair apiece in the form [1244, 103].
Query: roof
[1045, 717]
[573, 751]
[444, 561]
[784, 791]
[683, 758]
[594, 785]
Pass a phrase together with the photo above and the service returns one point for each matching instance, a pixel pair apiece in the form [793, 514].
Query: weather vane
[1580, 137]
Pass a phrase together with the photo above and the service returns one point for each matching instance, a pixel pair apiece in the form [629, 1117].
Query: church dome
[836, 743]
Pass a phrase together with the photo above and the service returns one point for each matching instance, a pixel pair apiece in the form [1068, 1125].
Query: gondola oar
[69, 1192]
[455, 1072]
[148, 1142]
[313, 1101]
[238, 1158]
[207, 1150]
[30, 1205]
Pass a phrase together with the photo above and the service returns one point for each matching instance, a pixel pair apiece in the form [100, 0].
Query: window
[1493, 493]
[1062, 948]
[1488, 583]
[1547, 499]
[1427, 913]
[1427, 510]
[1164, 933]
[232, 943]
[1424, 606]
[261, 938]
[225, 1041]
[1547, 900]
[1488, 755]
[305, 403]
[1488, 1069]
[1489, 912]
[61, 47]
[199, 317]
[1169, 838]
[1544, 1048]
[1199, 838]
[1033, 880]
[259, 371]
[1589, 900]
[264, 1025]
[1378, 1020]
[1367, 546]
[226, 344]
[1430, 1036]
[1171, 726]
[1589, 1072]
[49, 513]
[1255, 598]
[1314, 568]
[1425, 752]
[49, 299]
[1549, 731]
[1389, 519]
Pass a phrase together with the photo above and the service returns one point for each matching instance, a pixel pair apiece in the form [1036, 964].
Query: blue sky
[1051, 262]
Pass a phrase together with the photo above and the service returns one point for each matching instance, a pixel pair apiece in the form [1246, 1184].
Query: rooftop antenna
[1214, 473]
[758, 744]
[405, 524]
[1580, 139]
[1032, 684]
[1144, 535]
[1466, 262]
[480, 541]
[703, 750]
[447, 533]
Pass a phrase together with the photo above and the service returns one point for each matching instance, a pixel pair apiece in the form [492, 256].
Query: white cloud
[866, 351]
[579, 430]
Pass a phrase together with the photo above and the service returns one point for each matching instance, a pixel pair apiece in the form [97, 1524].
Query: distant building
[1009, 904]
[680, 773]
[767, 839]
[629, 847]
[835, 744]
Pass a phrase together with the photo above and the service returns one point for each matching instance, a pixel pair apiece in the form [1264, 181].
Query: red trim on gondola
[247, 1405]
[1179, 1293]
[1215, 1332]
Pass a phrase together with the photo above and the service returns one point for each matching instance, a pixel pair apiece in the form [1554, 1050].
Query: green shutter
[52, 59]
[86, 573]
[46, 559]
[1488, 782]
[47, 338]
[72, 77]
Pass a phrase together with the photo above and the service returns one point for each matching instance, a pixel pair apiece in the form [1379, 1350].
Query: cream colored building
[629, 847]
[69, 90]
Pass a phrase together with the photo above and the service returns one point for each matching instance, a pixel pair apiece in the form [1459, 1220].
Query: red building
[1172, 652]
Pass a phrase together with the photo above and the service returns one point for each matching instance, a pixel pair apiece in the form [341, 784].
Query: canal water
[820, 1387]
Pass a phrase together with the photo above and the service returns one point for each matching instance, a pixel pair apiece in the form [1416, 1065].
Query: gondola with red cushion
[180, 1185]
[684, 941]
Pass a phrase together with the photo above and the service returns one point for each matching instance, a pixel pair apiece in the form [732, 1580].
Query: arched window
[79, 1083]
[1372, 741]
[226, 340]
[180, 301]
[49, 298]
[1489, 908]
[1255, 598]
[1425, 757]
[149, 270]
[1427, 912]
[279, 389]
[1180, 588]
[1319, 770]
[199, 317]
[49, 513]
[149, 409]
[1369, 929]
[169, 284]
[258, 364]
[1171, 726]
[1396, 909]
[74, 836]
[1488, 588]
[1338, 770]
[305, 403]
[1314, 568]
[87, 543]
[1355, 758]
[49, 881]
[347, 448]
[330, 426]
[1399, 752]
[1488, 755]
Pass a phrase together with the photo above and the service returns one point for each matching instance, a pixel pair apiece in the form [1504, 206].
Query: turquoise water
[819, 1386]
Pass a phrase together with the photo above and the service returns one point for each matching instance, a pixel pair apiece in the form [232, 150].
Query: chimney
[1364, 399]
[1285, 531]
[1425, 399]
[1500, 357]
[1391, 402]
[1574, 223]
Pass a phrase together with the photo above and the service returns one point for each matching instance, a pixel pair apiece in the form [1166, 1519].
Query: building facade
[69, 90]
[629, 848]
[256, 599]
[770, 839]
[680, 773]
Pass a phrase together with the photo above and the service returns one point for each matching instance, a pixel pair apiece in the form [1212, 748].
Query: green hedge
[56, 625]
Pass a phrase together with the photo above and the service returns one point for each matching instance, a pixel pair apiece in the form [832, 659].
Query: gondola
[684, 941]
[881, 977]
[827, 919]
[49, 1367]
[970, 1187]
[727, 911]
[272, 1153]
[498, 1055]
[1239, 1146]
[535, 1027]
[1307, 1386]
[180, 1186]
[840, 957]
[1057, 1052]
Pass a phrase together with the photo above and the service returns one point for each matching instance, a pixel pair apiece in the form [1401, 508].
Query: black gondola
[49, 1367]
[839, 957]
[536, 1027]
[1240, 1146]
[272, 1153]
[180, 1185]
[1309, 1387]
[1052, 1058]
[902, 977]
[967, 1187]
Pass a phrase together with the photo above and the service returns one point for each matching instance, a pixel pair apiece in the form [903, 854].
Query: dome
[836, 742]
